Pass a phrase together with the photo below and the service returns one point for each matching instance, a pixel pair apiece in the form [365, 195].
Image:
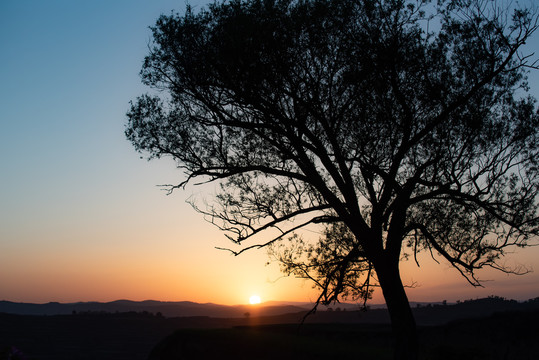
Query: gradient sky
[81, 217]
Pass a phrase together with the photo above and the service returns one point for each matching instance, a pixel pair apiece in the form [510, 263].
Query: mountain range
[425, 313]
[167, 309]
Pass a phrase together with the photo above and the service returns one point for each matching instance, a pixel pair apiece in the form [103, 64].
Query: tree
[396, 126]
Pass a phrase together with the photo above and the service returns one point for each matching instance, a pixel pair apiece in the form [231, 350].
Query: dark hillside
[81, 337]
[441, 314]
[502, 336]
[283, 342]
[495, 328]
[512, 335]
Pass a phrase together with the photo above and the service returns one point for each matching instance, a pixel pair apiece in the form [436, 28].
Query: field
[501, 336]
[328, 335]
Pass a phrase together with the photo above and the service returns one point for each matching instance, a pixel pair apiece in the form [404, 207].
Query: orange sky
[163, 250]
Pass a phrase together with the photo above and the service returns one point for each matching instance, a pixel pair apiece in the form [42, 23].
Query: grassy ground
[504, 336]
[508, 335]
[277, 342]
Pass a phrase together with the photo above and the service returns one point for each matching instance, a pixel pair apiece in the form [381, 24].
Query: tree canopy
[395, 125]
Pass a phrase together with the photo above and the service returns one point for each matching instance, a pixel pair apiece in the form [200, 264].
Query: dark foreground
[501, 336]
[507, 335]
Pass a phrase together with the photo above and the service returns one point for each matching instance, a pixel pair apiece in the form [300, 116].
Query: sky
[81, 215]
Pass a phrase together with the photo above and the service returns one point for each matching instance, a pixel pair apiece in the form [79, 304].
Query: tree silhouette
[393, 126]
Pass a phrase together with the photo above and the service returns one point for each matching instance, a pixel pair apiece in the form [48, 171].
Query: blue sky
[81, 217]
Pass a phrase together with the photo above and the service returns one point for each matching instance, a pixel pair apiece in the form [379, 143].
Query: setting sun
[255, 299]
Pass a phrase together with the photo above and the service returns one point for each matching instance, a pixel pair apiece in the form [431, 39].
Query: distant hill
[489, 328]
[281, 312]
[167, 309]
[469, 309]
[504, 335]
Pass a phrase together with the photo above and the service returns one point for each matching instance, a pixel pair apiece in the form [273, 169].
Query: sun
[255, 299]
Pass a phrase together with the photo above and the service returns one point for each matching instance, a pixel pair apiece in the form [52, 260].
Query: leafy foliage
[388, 124]
[335, 264]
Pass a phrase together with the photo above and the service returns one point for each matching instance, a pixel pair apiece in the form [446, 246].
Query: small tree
[398, 126]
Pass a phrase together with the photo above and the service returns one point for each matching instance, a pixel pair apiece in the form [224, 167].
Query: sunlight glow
[255, 299]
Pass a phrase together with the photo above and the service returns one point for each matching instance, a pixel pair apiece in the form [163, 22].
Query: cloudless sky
[81, 215]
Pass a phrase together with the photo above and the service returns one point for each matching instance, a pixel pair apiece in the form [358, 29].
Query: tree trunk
[402, 319]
